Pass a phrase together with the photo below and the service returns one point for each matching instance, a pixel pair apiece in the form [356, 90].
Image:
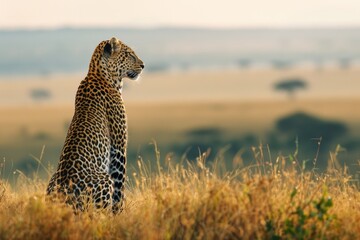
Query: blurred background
[220, 77]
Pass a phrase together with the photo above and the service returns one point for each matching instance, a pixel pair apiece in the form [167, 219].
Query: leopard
[92, 167]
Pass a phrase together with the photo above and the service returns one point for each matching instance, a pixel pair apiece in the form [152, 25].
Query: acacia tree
[290, 86]
[40, 94]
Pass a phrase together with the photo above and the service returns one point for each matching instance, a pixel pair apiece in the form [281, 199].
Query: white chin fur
[136, 78]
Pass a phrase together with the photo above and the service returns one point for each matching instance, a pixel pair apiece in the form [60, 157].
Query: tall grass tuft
[274, 199]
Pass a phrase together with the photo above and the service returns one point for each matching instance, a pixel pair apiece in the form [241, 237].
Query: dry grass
[272, 200]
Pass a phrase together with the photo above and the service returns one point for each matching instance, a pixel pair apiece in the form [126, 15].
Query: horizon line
[180, 27]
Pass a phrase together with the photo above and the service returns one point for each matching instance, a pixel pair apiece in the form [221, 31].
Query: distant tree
[290, 86]
[306, 126]
[345, 63]
[281, 64]
[316, 136]
[39, 94]
[244, 63]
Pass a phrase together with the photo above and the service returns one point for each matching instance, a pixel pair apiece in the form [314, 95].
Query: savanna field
[229, 185]
[237, 151]
[244, 124]
[272, 199]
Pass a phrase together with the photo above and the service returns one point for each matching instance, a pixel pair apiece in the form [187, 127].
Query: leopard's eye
[133, 57]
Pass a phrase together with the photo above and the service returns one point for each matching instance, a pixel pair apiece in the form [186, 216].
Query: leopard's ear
[115, 44]
[112, 46]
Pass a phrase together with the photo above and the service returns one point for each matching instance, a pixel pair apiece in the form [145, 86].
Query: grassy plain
[273, 199]
[270, 200]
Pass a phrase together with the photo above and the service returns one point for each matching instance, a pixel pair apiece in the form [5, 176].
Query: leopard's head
[115, 60]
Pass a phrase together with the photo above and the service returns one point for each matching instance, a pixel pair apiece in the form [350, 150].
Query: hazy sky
[196, 13]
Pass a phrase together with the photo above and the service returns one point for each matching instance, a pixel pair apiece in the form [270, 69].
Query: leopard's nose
[142, 66]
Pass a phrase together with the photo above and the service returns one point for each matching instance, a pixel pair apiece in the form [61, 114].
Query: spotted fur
[92, 163]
